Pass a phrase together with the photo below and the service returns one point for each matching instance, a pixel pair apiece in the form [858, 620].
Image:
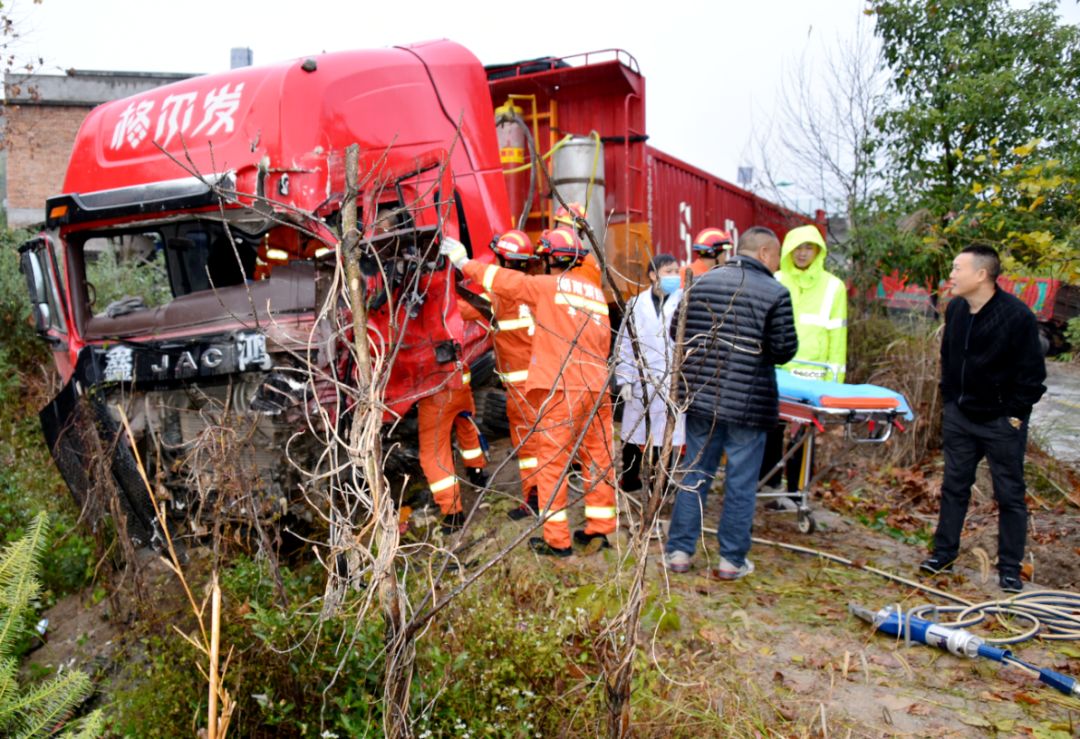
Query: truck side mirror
[43, 301]
[35, 285]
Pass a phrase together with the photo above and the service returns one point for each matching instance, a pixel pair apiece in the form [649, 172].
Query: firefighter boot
[530, 508]
[541, 547]
[477, 476]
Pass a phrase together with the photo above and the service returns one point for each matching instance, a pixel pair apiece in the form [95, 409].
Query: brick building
[42, 114]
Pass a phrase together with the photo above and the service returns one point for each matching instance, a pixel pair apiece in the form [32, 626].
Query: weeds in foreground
[30, 711]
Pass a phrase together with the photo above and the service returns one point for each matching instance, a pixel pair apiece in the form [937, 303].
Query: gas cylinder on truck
[578, 176]
[512, 135]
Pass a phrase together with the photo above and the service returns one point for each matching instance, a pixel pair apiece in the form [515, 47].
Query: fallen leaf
[918, 709]
[1026, 698]
[712, 635]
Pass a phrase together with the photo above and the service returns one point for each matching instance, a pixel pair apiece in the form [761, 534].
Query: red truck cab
[224, 193]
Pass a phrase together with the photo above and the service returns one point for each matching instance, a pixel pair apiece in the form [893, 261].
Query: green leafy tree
[37, 710]
[985, 121]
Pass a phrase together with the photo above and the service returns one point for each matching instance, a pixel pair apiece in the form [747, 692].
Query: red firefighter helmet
[514, 245]
[562, 246]
[712, 240]
[570, 214]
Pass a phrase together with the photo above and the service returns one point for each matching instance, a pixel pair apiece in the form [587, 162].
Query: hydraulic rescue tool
[891, 620]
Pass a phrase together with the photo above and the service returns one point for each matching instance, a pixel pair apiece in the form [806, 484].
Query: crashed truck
[223, 195]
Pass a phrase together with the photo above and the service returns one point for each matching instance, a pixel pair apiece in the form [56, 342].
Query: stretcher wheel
[806, 522]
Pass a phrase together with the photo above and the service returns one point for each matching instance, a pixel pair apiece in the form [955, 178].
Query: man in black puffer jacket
[739, 326]
[992, 373]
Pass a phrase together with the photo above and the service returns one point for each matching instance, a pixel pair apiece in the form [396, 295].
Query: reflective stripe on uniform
[514, 378]
[599, 511]
[439, 485]
[527, 463]
[556, 516]
[812, 319]
[489, 276]
[471, 453]
[823, 316]
[515, 323]
[579, 301]
[466, 378]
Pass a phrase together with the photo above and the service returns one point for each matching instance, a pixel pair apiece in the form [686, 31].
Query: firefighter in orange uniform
[450, 410]
[568, 218]
[711, 247]
[512, 323]
[567, 384]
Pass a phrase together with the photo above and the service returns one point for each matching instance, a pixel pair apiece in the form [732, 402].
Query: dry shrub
[902, 352]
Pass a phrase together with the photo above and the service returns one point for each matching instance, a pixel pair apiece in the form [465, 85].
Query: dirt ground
[782, 638]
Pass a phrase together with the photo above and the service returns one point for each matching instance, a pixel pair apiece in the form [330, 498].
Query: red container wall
[684, 199]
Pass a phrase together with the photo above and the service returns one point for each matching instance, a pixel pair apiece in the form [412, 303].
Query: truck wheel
[493, 420]
[482, 370]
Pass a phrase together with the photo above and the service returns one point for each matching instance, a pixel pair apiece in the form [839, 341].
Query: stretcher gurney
[868, 413]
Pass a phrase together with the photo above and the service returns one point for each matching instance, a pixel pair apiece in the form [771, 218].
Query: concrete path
[1055, 421]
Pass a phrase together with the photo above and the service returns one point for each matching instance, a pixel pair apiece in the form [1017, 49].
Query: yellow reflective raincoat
[819, 300]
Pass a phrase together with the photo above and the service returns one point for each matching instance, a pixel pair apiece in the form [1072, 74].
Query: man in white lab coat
[650, 313]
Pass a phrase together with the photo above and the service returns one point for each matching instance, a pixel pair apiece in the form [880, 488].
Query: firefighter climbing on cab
[567, 384]
[512, 325]
[711, 247]
[450, 410]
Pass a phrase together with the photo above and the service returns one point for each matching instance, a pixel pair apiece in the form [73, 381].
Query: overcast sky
[712, 68]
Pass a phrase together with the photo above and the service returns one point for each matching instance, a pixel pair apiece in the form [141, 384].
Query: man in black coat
[739, 326]
[992, 373]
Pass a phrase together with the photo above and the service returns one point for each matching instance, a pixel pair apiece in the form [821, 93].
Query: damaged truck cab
[187, 277]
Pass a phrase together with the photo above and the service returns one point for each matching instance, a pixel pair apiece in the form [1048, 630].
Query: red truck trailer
[1052, 301]
[227, 190]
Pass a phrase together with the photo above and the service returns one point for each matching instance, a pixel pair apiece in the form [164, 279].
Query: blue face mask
[670, 283]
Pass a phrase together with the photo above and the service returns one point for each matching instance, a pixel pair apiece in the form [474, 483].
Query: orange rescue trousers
[438, 415]
[564, 417]
[522, 417]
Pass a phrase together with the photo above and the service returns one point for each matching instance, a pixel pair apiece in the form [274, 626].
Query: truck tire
[482, 370]
[494, 423]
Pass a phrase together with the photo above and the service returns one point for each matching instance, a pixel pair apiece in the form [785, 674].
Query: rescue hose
[561, 143]
[1053, 615]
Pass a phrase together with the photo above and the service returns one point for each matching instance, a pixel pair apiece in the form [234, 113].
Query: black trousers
[774, 452]
[633, 458]
[965, 443]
